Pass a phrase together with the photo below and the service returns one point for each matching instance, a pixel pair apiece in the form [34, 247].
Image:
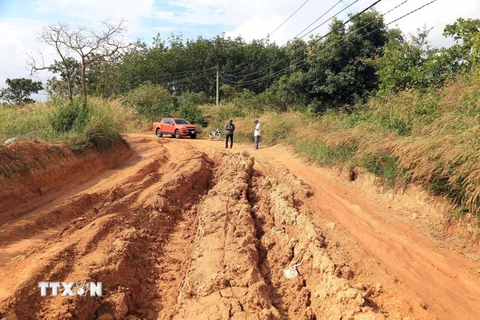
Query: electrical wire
[303, 61]
[259, 62]
[288, 18]
[156, 76]
[314, 41]
[351, 4]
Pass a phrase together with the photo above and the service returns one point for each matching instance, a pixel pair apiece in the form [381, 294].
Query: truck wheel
[177, 134]
[159, 133]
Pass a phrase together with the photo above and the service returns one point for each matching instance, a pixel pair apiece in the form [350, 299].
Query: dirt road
[185, 229]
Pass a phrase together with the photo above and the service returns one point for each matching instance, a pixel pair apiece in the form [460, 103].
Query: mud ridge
[323, 291]
[287, 238]
[118, 247]
[223, 280]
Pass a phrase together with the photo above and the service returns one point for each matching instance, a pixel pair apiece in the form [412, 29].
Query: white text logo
[71, 289]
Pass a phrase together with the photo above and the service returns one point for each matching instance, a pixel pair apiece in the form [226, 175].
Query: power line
[288, 18]
[303, 61]
[419, 8]
[350, 19]
[317, 40]
[156, 76]
[259, 62]
[325, 20]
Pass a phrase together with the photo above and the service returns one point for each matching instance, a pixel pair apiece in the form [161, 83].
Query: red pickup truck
[176, 127]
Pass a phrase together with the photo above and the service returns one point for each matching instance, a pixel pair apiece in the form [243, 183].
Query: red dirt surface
[184, 229]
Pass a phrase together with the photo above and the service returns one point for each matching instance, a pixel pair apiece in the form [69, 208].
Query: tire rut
[117, 244]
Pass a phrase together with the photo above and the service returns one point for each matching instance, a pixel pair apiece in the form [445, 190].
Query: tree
[189, 65]
[150, 100]
[19, 89]
[468, 51]
[337, 75]
[410, 62]
[69, 83]
[88, 45]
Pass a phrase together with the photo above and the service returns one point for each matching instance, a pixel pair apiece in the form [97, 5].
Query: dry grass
[427, 138]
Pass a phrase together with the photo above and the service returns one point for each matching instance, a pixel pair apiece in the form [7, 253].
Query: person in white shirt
[256, 133]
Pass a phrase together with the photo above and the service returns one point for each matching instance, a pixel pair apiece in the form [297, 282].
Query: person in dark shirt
[229, 129]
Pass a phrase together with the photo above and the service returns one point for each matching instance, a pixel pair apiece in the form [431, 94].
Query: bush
[193, 99]
[151, 101]
[69, 115]
[192, 114]
[102, 131]
[98, 126]
[218, 116]
[28, 122]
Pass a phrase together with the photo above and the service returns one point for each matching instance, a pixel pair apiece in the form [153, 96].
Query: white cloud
[435, 16]
[19, 38]
[87, 12]
[252, 19]
[265, 19]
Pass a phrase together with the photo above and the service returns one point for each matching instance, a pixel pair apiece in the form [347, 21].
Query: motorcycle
[215, 135]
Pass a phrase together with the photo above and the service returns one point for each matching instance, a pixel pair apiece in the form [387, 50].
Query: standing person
[256, 133]
[229, 129]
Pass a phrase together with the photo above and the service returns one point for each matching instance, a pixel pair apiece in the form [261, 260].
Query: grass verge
[428, 138]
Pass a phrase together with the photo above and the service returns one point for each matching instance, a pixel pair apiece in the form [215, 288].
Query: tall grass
[97, 126]
[429, 138]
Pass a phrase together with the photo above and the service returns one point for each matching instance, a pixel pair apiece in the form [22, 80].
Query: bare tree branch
[88, 45]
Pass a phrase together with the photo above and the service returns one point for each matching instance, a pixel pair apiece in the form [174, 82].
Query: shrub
[192, 114]
[151, 101]
[193, 99]
[69, 115]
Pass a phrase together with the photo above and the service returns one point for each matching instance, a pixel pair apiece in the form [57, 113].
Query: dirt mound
[31, 172]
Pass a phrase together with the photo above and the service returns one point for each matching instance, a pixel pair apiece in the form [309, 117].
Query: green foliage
[100, 127]
[387, 167]
[151, 101]
[337, 74]
[19, 90]
[69, 81]
[69, 115]
[324, 154]
[412, 63]
[467, 52]
[217, 116]
[102, 132]
[287, 93]
[192, 114]
[193, 98]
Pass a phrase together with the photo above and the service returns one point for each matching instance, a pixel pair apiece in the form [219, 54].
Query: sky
[22, 20]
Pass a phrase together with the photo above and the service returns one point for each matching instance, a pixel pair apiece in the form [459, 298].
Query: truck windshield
[181, 121]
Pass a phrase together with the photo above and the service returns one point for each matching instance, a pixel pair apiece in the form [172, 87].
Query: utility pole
[217, 86]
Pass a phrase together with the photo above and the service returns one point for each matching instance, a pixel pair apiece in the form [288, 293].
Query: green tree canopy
[337, 75]
[150, 100]
[19, 90]
[467, 35]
